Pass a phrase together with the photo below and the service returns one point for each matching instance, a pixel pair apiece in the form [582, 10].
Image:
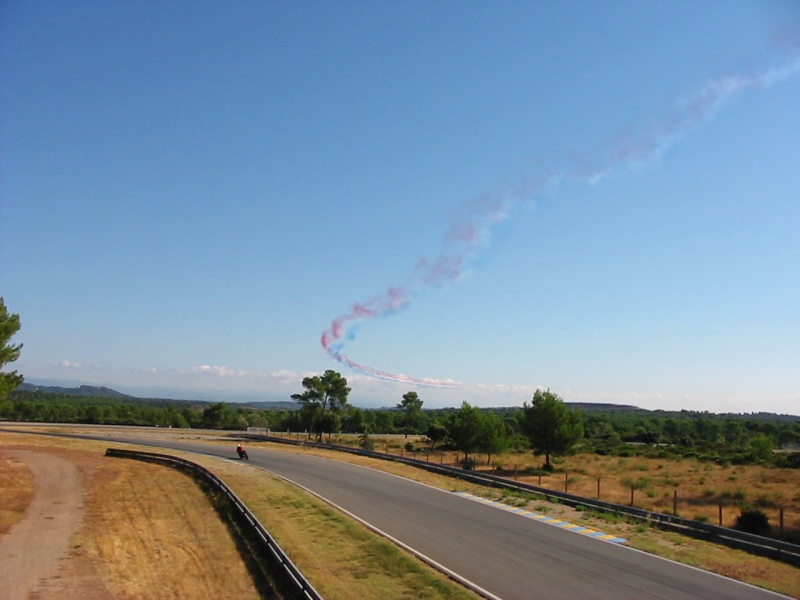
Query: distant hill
[272, 405]
[587, 406]
[83, 390]
[99, 391]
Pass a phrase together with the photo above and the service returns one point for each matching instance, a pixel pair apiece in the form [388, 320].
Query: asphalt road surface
[509, 556]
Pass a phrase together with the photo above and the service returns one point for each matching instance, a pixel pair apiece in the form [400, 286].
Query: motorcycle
[242, 453]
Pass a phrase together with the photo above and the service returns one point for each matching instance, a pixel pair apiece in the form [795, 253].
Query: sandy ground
[37, 561]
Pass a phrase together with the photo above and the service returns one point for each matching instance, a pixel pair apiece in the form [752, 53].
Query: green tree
[436, 433]
[493, 435]
[9, 325]
[551, 427]
[354, 420]
[412, 407]
[219, 416]
[761, 447]
[464, 427]
[324, 394]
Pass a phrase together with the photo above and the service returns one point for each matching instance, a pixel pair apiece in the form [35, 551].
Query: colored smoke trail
[472, 222]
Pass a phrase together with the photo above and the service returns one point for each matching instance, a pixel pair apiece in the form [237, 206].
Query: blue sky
[600, 198]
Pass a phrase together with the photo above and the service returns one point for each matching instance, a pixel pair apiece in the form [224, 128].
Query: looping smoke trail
[471, 224]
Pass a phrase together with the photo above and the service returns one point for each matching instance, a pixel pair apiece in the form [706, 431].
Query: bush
[788, 461]
[366, 442]
[753, 521]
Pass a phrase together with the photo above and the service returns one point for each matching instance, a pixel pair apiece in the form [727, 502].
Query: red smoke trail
[471, 224]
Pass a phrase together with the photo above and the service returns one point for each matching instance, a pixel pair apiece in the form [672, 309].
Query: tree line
[546, 425]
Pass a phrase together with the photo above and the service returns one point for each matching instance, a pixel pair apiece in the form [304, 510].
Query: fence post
[781, 521]
[720, 512]
[675, 502]
[598, 488]
[515, 472]
[632, 488]
[566, 482]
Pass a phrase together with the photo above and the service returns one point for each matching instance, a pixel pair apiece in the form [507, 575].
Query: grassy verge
[341, 558]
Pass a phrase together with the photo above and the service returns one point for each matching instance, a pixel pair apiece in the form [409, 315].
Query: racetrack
[508, 556]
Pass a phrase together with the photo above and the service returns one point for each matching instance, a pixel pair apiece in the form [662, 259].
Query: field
[122, 532]
[148, 531]
[699, 487]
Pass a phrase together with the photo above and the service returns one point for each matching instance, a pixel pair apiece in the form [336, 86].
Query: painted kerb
[294, 584]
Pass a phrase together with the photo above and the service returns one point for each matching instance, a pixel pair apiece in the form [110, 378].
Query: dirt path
[35, 561]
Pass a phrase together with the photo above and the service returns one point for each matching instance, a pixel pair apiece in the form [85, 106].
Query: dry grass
[150, 529]
[317, 544]
[16, 491]
[155, 536]
[155, 522]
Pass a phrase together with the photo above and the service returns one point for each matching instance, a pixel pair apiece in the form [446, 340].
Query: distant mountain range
[82, 390]
[101, 391]
[257, 401]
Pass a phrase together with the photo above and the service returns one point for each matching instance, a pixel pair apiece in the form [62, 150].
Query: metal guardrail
[294, 584]
[756, 544]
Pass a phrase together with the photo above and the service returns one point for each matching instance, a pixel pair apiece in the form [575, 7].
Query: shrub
[753, 521]
[788, 461]
[366, 442]
[468, 463]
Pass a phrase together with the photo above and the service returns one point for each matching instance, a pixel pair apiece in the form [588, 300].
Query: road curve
[512, 557]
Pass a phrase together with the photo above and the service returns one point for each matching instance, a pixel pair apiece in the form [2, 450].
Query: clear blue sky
[600, 198]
